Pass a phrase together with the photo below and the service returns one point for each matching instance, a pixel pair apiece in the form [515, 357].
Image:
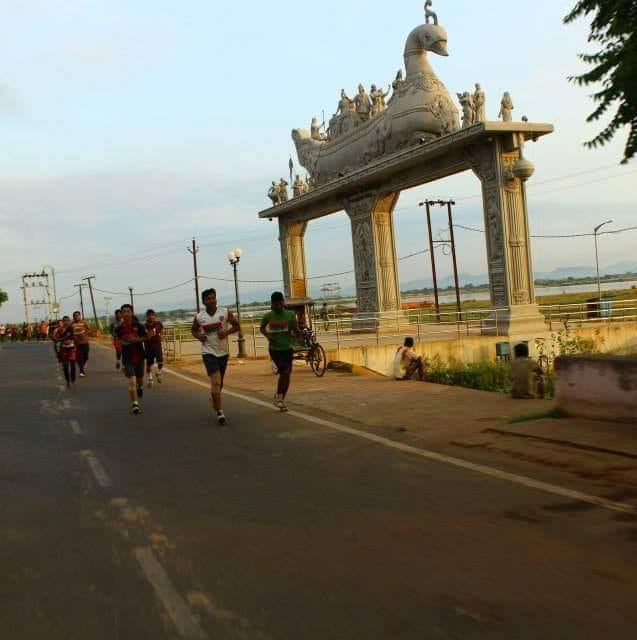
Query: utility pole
[98, 325]
[433, 259]
[26, 304]
[450, 203]
[194, 251]
[81, 297]
[442, 203]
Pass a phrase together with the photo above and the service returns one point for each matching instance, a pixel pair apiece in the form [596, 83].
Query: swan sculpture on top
[419, 110]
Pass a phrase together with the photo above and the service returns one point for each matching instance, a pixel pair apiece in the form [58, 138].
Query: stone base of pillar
[389, 322]
[524, 322]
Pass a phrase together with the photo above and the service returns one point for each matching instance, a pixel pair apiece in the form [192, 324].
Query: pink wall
[603, 387]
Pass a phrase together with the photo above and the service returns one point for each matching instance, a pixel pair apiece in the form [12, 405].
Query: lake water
[450, 297]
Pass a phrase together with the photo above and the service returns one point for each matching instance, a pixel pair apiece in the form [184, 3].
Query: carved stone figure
[363, 104]
[506, 108]
[315, 130]
[378, 100]
[273, 193]
[345, 104]
[283, 191]
[468, 110]
[298, 188]
[398, 81]
[420, 109]
[479, 105]
[308, 184]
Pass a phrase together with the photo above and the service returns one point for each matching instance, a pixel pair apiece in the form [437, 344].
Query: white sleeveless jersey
[210, 325]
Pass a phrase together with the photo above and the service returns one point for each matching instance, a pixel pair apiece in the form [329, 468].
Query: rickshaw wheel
[318, 361]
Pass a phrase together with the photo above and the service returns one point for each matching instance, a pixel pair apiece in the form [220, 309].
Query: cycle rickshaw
[306, 346]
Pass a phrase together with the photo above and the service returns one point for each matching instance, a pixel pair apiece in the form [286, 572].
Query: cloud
[10, 104]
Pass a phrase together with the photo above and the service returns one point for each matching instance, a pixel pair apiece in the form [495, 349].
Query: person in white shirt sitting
[407, 362]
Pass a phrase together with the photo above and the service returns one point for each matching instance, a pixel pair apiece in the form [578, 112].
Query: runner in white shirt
[212, 328]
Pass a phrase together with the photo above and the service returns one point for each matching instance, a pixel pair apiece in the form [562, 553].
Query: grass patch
[539, 415]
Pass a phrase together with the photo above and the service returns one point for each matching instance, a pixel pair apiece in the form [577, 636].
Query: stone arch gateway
[416, 139]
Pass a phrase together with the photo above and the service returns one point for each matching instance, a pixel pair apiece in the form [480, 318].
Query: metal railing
[593, 311]
[347, 330]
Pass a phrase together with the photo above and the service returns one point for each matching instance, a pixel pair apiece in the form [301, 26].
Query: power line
[145, 293]
[557, 236]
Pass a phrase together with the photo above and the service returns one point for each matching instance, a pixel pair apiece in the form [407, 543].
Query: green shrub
[486, 376]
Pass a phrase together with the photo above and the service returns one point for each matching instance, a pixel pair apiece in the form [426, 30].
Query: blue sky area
[130, 126]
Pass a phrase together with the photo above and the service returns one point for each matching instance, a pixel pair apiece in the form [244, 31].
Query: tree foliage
[614, 28]
[3, 297]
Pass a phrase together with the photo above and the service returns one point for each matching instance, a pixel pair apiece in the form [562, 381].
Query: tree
[3, 297]
[614, 27]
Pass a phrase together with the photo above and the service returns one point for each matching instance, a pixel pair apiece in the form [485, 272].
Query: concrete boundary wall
[599, 387]
[608, 337]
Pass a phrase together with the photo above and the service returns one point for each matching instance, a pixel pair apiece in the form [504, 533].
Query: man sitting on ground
[407, 363]
[527, 379]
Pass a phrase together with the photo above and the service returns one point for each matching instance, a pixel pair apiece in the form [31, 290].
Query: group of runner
[138, 347]
[212, 327]
[25, 332]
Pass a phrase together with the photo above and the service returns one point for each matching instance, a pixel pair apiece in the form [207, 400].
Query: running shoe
[136, 408]
[283, 408]
[118, 364]
[82, 374]
[140, 392]
[277, 401]
[159, 377]
[221, 418]
[150, 382]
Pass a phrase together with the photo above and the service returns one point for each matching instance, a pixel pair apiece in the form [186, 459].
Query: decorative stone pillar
[292, 239]
[373, 240]
[507, 236]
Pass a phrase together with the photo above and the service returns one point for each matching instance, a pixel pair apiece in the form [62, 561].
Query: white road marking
[75, 425]
[66, 404]
[61, 387]
[432, 455]
[98, 470]
[185, 622]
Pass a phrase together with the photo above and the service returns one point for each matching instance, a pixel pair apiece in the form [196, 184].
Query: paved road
[166, 526]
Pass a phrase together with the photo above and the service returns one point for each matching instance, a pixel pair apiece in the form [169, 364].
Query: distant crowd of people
[26, 332]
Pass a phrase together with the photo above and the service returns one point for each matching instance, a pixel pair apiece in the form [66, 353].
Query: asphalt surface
[165, 525]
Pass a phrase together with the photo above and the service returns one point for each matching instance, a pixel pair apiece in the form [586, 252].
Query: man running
[279, 326]
[117, 344]
[81, 333]
[64, 338]
[154, 352]
[132, 334]
[212, 327]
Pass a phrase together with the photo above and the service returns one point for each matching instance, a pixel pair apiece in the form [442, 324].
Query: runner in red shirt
[81, 333]
[67, 353]
[132, 334]
[154, 352]
[117, 344]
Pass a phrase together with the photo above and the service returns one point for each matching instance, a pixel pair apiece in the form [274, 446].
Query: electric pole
[450, 242]
[81, 297]
[194, 251]
[98, 326]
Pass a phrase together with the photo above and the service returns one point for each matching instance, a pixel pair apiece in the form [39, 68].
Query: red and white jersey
[210, 326]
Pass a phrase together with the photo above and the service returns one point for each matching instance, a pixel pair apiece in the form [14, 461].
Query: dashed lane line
[66, 404]
[75, 426]
[182, 617]
[98, 469]
[513, 478]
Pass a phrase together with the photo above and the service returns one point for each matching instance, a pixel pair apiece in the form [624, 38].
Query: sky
[130, 126]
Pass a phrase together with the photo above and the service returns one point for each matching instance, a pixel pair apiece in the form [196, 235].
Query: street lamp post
[599, 286]
[130, 290]
[234, 257]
